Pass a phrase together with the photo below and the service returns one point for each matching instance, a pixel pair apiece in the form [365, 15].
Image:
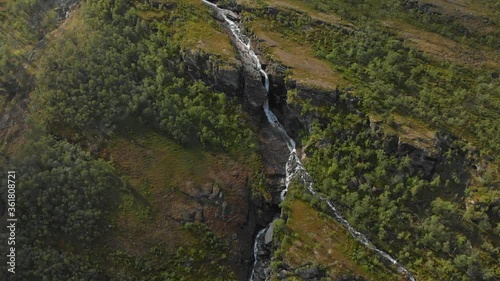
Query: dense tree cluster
[393, 77]
[64, 199]
[64, 191]
[41, 262]
[112, 69]
[424, 15]
[124, 70]
[384, 195]
[426, 221]
[401, 80]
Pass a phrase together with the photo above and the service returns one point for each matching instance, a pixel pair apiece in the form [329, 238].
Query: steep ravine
[294, 167]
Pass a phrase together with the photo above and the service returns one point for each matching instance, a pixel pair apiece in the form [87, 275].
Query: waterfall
[256, 251]
[294, 166]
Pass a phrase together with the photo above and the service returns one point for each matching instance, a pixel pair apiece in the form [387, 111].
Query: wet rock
[232, 16]
[254, 93]
[63, 7]
[274, 156]
[268, 237]
[283, 274]
[262, 270]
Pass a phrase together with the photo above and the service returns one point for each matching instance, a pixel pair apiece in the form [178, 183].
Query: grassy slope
[305, 68]
[313, 240]
[198, 32]
[313, 237]
[296, 5]
[309, 69]
[441, 48]
[162, 175]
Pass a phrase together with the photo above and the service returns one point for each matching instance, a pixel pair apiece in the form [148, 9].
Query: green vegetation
[403, 210]
[187, 263]
[430, 16]
[422, 217]
[91, 91]
[394, 78]
[309, 236]
[119, 142]
[65, 190]
[99, 80]
[67, 199]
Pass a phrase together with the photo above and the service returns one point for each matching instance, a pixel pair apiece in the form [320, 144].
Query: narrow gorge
[250, 140]
[294, 168]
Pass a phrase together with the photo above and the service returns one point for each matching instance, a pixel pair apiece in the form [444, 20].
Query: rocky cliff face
[224, 205]
[243, 81]
[250, 82]
[445, 156]
[223, 76]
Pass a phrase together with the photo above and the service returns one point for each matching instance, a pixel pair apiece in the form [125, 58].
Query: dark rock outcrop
[262, 270]
[310, 273]
[274, 156]
[426, 8]
[422, 160]
[252, 88]
[223, 76]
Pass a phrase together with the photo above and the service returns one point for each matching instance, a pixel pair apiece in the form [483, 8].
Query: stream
[294, 167]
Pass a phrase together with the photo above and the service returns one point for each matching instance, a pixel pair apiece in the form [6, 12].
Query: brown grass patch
[462, 7]
[300, 6]
[442, 48]
[322, 240]
[3, 5]
[305, 67]
[191, 24]
[171, 185]
[411, 131]
[200, 36]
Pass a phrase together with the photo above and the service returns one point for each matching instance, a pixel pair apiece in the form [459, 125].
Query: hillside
[251, 140]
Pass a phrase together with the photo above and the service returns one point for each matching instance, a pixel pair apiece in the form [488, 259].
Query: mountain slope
[143, 152]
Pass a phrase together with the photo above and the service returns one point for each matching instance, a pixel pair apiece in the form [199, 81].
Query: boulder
[268, 237]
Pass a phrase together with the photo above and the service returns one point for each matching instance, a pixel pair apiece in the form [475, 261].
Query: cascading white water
[256, 251]
[294, 166]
